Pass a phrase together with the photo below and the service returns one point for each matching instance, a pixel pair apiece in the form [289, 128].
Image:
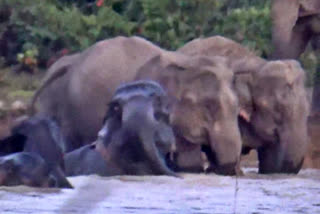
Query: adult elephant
[136, 137]
[203, 109]
[273, 104]
[76, 95]
[295, 23]
[78, 87]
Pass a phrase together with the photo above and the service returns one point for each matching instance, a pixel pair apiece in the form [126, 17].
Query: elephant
[203, 110]
[93, 74]
[136, 138]
[77, 89]
[273, 103]
[295, 23]
[41, 136]
[25, 168]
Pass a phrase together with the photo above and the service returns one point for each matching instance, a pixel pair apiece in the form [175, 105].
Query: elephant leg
[190, 160]
[273, 159]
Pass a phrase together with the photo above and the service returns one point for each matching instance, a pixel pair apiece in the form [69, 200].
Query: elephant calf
[135, 138]
[24, 168]
[39, 136]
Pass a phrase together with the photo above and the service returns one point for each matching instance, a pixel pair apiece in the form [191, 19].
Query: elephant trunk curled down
[135, 139]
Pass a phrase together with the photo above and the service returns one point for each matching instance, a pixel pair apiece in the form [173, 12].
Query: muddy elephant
[24, 168]
[294, 24]
[136, 137]
[41, 136]
[203, 110]
[276, 126]
[78, 87]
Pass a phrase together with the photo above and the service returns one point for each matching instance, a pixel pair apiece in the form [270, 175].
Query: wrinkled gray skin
[294, 24]
[203, 110]
[41, 136]
[25, 168]
[273, 106]
[135, 138]
[78, 87]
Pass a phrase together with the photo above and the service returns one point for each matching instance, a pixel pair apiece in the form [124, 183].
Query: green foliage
[49, 26]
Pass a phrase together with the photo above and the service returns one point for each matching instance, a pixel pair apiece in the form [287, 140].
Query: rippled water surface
[194, 193]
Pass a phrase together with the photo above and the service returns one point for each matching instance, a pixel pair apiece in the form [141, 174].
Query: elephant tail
[48, 81]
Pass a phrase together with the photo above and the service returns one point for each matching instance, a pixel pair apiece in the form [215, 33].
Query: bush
[48, 27]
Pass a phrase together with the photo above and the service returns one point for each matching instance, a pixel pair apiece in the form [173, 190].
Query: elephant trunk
[225, 141]
[287, 153]
[138, 117]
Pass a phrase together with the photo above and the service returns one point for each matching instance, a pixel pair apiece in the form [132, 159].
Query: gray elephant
[273, 105]
[40, 136]
[295, 23]
[203, 110]
[78, 87]
[77, 90]
[24, 168]
[136, 137]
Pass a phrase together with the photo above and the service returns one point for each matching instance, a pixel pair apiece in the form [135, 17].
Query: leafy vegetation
[33, 33]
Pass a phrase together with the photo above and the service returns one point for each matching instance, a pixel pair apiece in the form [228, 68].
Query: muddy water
[161, 194]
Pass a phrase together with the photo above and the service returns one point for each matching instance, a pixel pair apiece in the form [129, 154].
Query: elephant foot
[273, 160]
[225, 169]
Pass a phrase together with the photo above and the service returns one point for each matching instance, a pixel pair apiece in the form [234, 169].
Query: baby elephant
[25, 168]
[39, 136]
[136, 137]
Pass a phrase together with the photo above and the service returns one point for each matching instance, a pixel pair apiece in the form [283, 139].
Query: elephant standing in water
[203, 107]
[78, 87]
[136, 137]
[273, 103]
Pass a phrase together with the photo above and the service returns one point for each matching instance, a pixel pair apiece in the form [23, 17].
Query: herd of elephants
[125, 106]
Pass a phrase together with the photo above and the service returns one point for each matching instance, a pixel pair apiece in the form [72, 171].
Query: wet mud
[193, 193]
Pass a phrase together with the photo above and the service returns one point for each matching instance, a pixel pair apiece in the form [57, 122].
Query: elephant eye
[161, 116]
[114, 108]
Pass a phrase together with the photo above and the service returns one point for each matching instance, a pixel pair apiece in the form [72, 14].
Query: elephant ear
[284, 15]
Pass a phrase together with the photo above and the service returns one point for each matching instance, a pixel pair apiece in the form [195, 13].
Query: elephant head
[279, 117]
[25, 168]
[41, 136]
[203, 109]
[136, 137]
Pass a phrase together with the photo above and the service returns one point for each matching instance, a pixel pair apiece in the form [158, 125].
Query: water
[195, 193]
